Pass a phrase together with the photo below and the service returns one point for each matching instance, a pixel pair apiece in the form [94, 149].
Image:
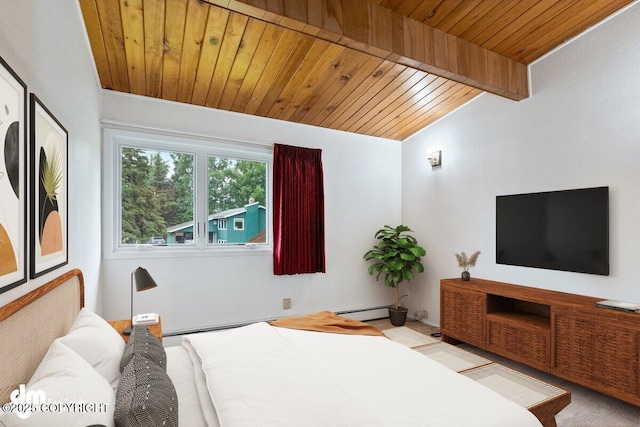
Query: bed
[257, 375]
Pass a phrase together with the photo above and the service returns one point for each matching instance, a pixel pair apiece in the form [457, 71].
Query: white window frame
[241, 220]
[116, 137]
[222, 223]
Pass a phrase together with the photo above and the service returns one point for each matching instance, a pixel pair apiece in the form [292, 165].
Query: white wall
[362, 193]
[579, 128]
[46, 45]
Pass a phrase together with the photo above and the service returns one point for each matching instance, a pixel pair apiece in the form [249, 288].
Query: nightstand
[121, 325]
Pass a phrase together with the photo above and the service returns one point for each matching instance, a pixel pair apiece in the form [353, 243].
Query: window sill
[147, 252]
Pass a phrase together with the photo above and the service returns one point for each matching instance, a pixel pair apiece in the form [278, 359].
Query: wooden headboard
[29, 325]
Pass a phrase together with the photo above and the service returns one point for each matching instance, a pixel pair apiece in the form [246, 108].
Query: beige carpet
[452, 357]
[409, 337]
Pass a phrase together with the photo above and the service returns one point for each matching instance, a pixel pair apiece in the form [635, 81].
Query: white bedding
[181, 371]
[260, 375]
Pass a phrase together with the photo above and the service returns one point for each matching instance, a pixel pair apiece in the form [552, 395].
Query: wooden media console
[560, 333]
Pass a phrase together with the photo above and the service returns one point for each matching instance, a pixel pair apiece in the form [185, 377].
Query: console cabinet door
[463, 315]
[519, 341]
[599, 354]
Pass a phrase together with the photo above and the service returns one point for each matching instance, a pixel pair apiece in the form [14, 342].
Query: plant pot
[466, 276]
[398, 317]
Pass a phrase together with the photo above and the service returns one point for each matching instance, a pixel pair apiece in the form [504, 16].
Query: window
[237, 189]
[157, 197]
[172, 193]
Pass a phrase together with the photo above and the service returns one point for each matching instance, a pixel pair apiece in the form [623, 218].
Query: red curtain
[298, 210]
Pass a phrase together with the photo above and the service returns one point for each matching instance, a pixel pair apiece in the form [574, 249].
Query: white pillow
[64, 376]
[98, 343]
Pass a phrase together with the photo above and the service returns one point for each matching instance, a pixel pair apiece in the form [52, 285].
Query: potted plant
[465, 263]
[395, 257]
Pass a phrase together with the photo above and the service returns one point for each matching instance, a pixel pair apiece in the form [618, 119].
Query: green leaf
[395, 265]
[388, 282]
[397, 277]
[418, 251]
[389, 254]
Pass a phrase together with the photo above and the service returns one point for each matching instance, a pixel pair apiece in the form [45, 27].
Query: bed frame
[29, 325]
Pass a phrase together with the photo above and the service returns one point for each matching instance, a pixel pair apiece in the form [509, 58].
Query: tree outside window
[157, 190]
[159, 198]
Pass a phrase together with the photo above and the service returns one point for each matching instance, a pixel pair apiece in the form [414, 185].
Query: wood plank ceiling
[385, 68]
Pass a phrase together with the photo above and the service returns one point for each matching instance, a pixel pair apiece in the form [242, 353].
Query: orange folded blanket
[326, 321]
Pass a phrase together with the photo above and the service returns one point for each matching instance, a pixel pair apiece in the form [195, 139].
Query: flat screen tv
[558, 230]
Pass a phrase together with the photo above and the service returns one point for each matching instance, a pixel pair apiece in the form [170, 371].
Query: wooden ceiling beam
[366, 26]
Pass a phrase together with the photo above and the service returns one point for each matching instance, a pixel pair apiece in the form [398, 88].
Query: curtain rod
[114, 124]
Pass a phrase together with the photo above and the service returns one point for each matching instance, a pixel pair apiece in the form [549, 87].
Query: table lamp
[143, 281]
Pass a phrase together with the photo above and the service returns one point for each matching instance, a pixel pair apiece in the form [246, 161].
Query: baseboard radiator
[363, 314]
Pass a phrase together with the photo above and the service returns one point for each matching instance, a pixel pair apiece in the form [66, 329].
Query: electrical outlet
[286, 303]
[420, 315]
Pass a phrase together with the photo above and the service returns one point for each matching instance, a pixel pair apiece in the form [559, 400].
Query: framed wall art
[49, 190]
[13, 175]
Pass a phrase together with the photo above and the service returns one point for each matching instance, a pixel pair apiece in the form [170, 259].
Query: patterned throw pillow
[146, 396]
[144, 343]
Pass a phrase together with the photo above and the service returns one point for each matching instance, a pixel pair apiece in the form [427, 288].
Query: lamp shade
[143, 279]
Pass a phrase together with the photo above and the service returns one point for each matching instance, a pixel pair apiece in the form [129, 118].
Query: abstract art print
[49, 194]
[13, 167]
